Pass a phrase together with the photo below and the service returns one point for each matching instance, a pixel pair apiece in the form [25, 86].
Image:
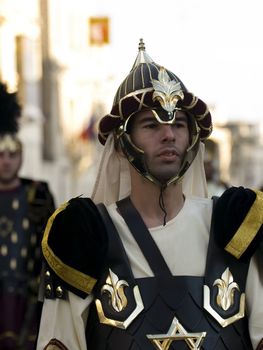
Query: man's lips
[168, 154]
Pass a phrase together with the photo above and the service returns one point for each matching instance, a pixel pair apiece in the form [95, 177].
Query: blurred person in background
[215, 186]
[151, 268]
[25, 206]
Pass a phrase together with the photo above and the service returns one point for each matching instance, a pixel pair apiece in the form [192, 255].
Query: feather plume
[10, 111]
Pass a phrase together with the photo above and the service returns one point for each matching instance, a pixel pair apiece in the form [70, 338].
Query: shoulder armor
[238, 221]
[74, 244]
[40, 200]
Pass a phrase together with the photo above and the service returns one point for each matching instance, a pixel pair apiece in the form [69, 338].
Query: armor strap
[115, 245]
[143, 237]
[217, 259]
[260, 345]
[223, 271]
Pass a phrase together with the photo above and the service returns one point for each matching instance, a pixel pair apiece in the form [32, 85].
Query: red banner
[99, 30]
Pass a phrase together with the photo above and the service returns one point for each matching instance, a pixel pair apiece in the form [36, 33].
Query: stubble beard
[163, 171]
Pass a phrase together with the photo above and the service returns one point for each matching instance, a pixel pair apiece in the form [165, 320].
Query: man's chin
[163, 172]
[164, 178]
[7, 180]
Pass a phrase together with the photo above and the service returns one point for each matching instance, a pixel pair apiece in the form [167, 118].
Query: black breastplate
[18, 242]
[169, 312]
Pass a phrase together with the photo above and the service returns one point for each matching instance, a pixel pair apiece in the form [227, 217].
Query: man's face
[164, 145]
[10, 163]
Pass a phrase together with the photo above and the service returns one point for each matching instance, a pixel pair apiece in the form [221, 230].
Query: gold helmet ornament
[10, 111]
[150, 86]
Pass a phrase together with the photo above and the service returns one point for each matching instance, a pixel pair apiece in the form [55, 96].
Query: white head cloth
[113, 178]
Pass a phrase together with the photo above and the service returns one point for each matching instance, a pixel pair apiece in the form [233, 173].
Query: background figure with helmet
[144, 264]
[25, 206]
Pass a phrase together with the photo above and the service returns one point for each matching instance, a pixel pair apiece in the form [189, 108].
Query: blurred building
[21, 68]
[246, 167]
[236, 150]
[53, 52]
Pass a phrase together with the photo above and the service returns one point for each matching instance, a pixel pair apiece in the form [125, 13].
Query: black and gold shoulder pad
[40, 200]
[238, 221]
[74, 245]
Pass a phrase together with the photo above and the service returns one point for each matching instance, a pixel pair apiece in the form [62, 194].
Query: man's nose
[168, 132]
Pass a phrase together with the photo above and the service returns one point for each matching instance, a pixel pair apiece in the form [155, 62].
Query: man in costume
[25, 206]
[150, 268]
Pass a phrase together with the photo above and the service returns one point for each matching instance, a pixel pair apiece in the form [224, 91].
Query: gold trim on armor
[68, 274]
[136, 92]
[114, 287]
[139, 100]
[248, 229]
[223, 321]
[200, 117]
[167, 91]
[193, 102]
[177, 332]
[206, 128]
[121, 324]
[226, 288]
[225, 299]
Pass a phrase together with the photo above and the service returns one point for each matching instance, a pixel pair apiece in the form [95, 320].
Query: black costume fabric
[24, 212]
[10, 111]
[166, 296]
[180, 296]
[231, 209]
[81, 217]
[90, 252]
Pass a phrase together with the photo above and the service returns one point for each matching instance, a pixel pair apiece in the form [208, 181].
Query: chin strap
[260, 345]
[55, 344]
[162, 205]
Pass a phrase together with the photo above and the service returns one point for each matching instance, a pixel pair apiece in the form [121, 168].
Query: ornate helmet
[150, 86]
[10, 111]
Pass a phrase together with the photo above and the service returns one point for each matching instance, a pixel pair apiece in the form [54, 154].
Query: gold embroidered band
[248, 229]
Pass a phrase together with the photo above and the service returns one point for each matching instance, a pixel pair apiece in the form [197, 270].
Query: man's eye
[150, 125]
[179, 125]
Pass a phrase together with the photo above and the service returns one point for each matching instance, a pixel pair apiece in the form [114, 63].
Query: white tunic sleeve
[254, 293]
[65, 321]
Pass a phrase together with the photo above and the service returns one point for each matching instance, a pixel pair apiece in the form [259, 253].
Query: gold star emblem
[176, 332]
[6, 226]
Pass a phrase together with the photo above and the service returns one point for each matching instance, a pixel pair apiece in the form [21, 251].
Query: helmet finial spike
[141, 45]
[142, 56]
